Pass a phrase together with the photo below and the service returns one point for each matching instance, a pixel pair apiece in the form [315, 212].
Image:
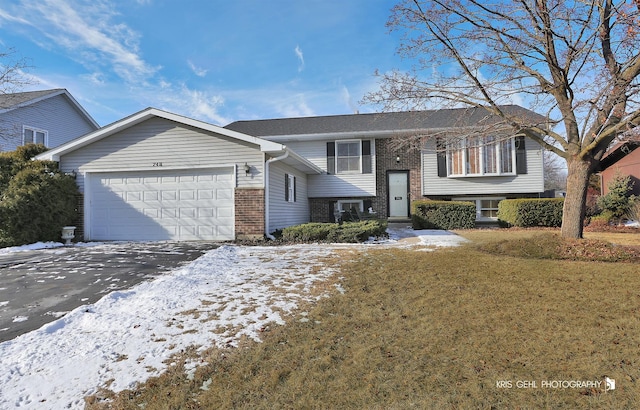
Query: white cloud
[346, 97]
[197, 104]
[200, 72]
[89, 31]
[300, 56]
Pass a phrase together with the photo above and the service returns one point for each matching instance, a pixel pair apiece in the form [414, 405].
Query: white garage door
[181, 205]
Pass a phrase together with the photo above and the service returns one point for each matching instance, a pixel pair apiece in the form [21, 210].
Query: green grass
[432, 330]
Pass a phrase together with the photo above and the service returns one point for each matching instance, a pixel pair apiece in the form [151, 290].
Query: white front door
[398, 194]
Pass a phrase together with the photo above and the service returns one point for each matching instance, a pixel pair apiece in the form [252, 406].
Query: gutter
[266, 191]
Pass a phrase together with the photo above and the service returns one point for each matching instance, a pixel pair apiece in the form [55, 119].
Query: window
[348, 156]
[486, 208]
[32, 135]
[289, 188]
[347, 205]
[480, 156]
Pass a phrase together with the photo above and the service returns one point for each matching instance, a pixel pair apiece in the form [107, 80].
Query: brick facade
[321, 209]
[79, 221]
[249, 213]
[386, 160]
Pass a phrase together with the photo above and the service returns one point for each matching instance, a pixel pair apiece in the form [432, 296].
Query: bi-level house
[49, 117]
[366, 166]
[160, 176]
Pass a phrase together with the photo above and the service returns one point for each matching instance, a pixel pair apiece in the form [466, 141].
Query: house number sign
[398, 198]
[157, 164]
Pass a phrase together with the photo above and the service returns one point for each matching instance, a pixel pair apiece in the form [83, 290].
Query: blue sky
[212, 60]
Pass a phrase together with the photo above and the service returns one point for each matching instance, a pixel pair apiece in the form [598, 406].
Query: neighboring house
[160, 176]
[623, 159]
[49, 117]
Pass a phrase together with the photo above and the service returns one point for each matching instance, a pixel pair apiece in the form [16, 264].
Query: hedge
[331, 232]
[530, 212]
[427, 214]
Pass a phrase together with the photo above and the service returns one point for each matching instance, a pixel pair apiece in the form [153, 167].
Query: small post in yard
[68, 233]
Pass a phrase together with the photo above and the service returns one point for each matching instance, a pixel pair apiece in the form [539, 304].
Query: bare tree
[13, 78]
[577, 62]
[555, 173]
[12, 72]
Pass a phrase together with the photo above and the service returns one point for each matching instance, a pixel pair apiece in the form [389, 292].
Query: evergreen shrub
[348, 232]
[427, 214]
[36, 200]
[530, 212]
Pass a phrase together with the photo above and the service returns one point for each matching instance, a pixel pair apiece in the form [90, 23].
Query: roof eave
[127, 122]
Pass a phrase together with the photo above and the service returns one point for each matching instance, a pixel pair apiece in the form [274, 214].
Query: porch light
[247, 169]
[397, 159]
[71, 174]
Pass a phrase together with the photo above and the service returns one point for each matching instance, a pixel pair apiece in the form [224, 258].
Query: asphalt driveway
[39, 286]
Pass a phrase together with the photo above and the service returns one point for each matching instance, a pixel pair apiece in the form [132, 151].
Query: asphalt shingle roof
[377, 122]
[12, 99]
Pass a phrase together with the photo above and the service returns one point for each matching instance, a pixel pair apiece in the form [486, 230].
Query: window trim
[35, 130]
[337, 157]
[462, 151]
[479, 208]
[290, 188]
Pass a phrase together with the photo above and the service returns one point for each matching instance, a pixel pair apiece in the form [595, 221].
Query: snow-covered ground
[229, 293]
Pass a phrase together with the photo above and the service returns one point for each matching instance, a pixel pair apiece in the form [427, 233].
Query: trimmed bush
[428, 214]
[530, 212]
[349, 232]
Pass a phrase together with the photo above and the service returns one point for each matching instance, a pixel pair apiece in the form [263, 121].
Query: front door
[398, 188]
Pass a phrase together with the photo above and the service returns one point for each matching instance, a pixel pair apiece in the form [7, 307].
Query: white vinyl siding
[56, 115]
[341, 185]
[163, 144]
[283, 213]
[531, 182]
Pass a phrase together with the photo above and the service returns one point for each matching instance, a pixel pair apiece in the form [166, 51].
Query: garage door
[162, 205]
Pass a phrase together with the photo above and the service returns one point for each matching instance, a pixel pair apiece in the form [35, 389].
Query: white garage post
[266, 192]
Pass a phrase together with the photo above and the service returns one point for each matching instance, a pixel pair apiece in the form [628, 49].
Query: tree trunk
[574, 208]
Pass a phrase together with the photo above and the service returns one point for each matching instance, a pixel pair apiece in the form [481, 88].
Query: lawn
[453, 328]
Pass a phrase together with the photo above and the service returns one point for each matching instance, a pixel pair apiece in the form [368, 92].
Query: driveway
[39, 286]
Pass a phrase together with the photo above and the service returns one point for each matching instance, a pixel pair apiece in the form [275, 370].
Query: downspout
[266, 192]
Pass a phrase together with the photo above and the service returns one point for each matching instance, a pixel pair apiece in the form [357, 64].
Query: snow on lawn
[31, 247]
[228, 293]
[44, 245]
[125, 337]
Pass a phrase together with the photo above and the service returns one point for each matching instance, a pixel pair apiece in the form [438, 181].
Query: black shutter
[366, 157]
[286, 187]
[332, 211]
[331, 157]
[441, 155]
[521, 156]
[295, 190]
